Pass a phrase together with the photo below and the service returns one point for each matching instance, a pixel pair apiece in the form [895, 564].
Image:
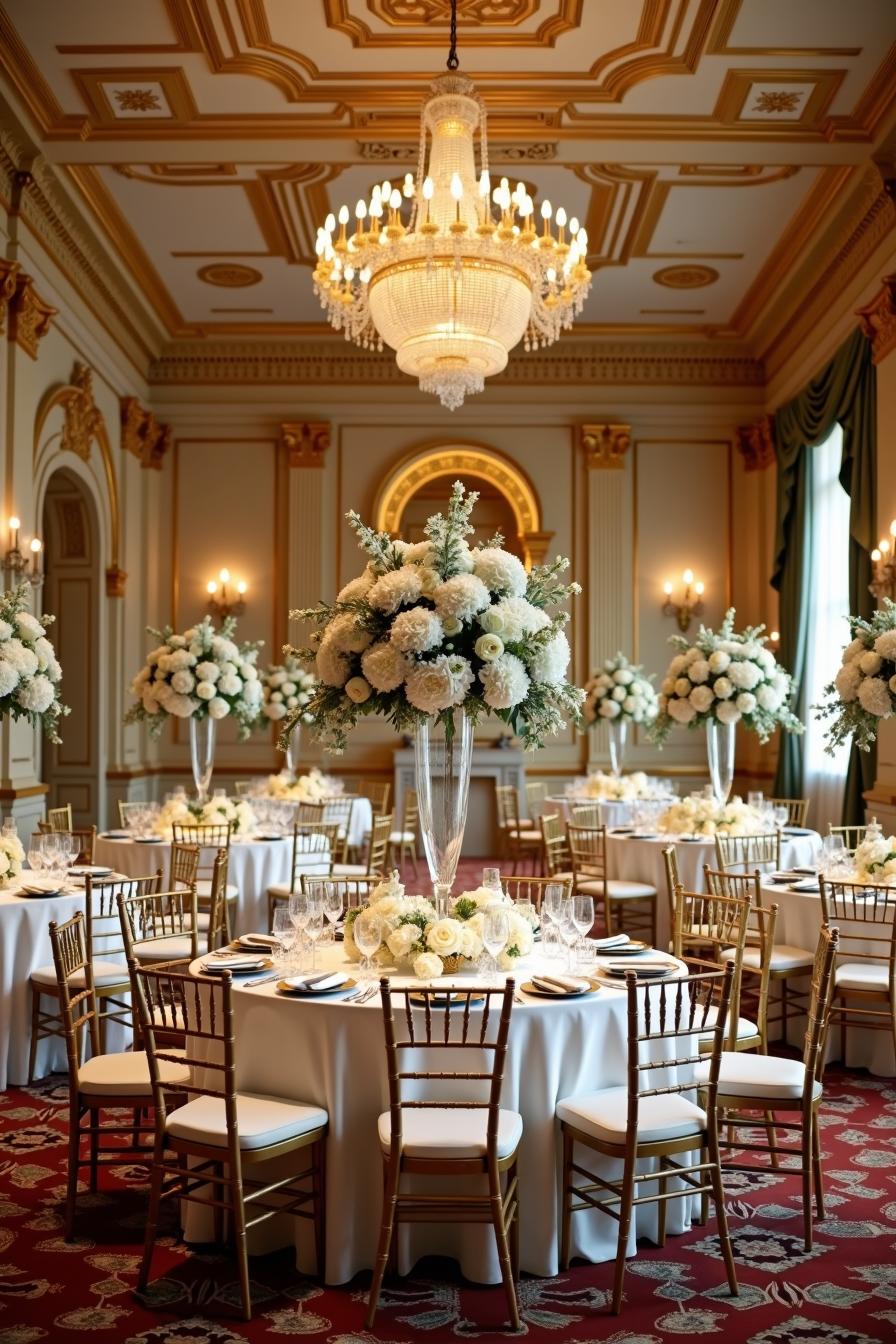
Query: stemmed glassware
[367, 932]
[36, 855]
[299, 912]
[833, 854]
[583, 920]
[332, 904]
[495, 932]
[314, 927]
[569, 930]
[551, 906]
[491, 878]
[284, 930]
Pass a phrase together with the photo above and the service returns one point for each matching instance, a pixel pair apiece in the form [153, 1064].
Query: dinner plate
[807, 885]
[645, 835]
[115, 835]
[90, 870]
[691, 839]
[238, 967]
[623, 830]
[633, 948]
[149, 840]
[589, 987]
[446, 999]
[782, 877]
[268, 837]
[297, 992]
[642, 972]
[38, 892]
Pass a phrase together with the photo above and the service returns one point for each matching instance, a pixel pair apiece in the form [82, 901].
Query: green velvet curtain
[845, 391]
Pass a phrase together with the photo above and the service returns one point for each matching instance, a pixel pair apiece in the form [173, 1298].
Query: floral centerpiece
[864, 690]
[875, 860]
[707, 816]
[12, 858]
[435, 625]
[29, 669]
[415, 935]
[311, 788]
[287, 688]
[201, 674]
[618, 788]
[620, 690]
[216, 812]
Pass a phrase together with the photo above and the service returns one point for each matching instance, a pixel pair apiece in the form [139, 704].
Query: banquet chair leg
[842, 1036]
[703, 1216]
[816, 1169]
[718, 1197]
[94, 1122]
[662, 1186]
[238, 1215]
[74, 1153]
[784, 1011]
[497, 1208]
[772, 1138]
[806, 1157]
[515, 1229]
[218, 1192]
[390, 1196]
[566, 1217]
[152, 1218]
[625, 1218]
[35, 1032]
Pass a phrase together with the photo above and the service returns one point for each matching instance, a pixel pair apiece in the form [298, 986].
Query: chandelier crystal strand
[458, 286]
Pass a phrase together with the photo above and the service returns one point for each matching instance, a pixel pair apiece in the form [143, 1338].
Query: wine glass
[755, 798]
[553, 901]
[284, 931]
[491, 878]
[314, 928]
[367, 931]
[583, 914]
[569, 931]
[834, 849]
[299, 908]
[332, 904]
[36, 855]
[495, 932]
[780, 816]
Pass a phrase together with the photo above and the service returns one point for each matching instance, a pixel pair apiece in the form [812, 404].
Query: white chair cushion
[745, 1075]
[261, 1120]
[174, 948]
[566, 877]
[282, 890]
[745, 1027]
[525, 834]
[604, 1115]
[402, 838]
[104, 973]
[617, 888]
[126, 1074]
[449, 1133]
[867, 975]
[171, 1017]
[349, 870]
[784, 957]
[204, 889]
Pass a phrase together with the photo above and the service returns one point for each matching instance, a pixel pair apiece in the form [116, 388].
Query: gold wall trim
[142, 435]
[305, 443]
[604, 446]
[878, 319]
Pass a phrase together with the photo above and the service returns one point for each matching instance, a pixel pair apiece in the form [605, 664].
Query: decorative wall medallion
[686, 277]
[9, 271]
[306, 442]
[605, 446]
[229, 275]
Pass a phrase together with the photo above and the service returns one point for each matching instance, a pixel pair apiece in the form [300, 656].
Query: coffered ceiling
[707, 144]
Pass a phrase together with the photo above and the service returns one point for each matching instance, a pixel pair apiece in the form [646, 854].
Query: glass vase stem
[720, 758]
[443, 755]
[618, 729]
[202, 754]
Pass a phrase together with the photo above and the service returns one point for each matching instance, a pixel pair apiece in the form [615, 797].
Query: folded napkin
[783, 876]
[809, 872]
[642, 964]
[606, 944]
[559, 984]
[316, 982]
[36, 888]
[232, 960]
[258, 940]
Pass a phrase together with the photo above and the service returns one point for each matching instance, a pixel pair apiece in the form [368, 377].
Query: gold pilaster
[604, 446]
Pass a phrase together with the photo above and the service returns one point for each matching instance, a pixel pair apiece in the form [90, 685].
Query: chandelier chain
[453, 61]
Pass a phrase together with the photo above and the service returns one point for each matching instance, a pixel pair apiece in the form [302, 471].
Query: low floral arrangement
[875, 860]
[216, 812]
[414, 935]
[436, 625]
[864, 690]
[311, 788]
[725, 678]
[621, 691]
[29, 669]
[200, 674]
[618, 788]
[287, 688]
[12, 858]
[705, 816]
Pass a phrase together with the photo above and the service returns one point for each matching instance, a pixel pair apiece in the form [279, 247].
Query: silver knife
[263, 979]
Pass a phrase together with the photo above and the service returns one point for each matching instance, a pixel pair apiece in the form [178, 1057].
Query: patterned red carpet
[843, 1292]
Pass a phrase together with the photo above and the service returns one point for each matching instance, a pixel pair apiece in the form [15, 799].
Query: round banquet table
[612, 812]
[332, 1054]
[798, 923]
[254, 866]
[638, 858]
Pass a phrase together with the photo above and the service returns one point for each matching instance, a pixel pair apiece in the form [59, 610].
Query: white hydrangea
[854, 649]
[356, 589]
[397, 588]
[461, 597]
[701, 698]
[549, 663]
[385, 667]
[505, 682]
[417, 630]
[208, 671]
[9, 678]
[500, 571]
[682, 711]
[727, 711]
[874, 695]
[768, 698]
[332, 665]
[24, 660]
[848, 680]
[218, 708]
[36, 695]
[347, 634]
[719, 662]
[745, 675]
[723, 688]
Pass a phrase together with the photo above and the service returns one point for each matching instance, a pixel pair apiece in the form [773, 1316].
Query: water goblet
[551, 945]
[553, 901]
[780, 816]
[36, 856]
[569, 932]
[755, 798]
[495, 932]
[491, 878]
[314, 928]
[583, 914]
[834, 853]
[332, 905]
[284, 931]
[367, 931]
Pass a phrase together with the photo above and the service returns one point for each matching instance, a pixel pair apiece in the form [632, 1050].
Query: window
[828, 632]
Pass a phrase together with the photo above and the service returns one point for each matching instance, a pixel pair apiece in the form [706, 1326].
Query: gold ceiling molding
[107, 111]
[30, 316]
[229, 275]
[539, 151]
[720, 43]
[472, 14]
[142, 435]
[330, 361]
[604, 446]
[686, 277]
[756, 443]
[878, 319]
[731, 105]
[305, 442]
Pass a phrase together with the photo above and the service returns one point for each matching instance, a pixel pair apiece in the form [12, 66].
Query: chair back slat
[820, 1002]
[156, 916]
[378, 792]
[102, 924]
[691, 1008]
[205, 1006]
[707, 925]
[183, 870]
[78, 1007]
[797, 809]
[314, 846]
[673, 881]
[866, 917]
[554, 843]
[586, 814]
[536, 798]
[532, 888]
[83, 839]
[353, 891]
[378, 844]
[588, 851]
[60, 818]
[852, 835]
[749, 853]
[207, 837]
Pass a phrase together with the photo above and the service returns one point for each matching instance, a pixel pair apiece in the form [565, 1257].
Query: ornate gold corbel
[306, 442]
[115, 581]
[30, 316]
[604, 446]
[756, 443]
[142, 435]
[878, 319]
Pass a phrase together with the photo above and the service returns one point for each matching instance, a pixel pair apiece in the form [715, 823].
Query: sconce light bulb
[687, 576]
[36, 544]
[875, 555]
[15, 523]
[667, 588]
[893, 527]
[211, 586]
[884, 547]
[242, 587]
[774, 636]
[224, 575]
[699, 589]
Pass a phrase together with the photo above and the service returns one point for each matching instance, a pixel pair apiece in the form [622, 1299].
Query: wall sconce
[883, 565]
[691, 603]
[220, 602]
[15, 562]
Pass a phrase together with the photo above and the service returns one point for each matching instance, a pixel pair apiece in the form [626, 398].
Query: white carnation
[397, 588]
[723, 688]
[331, 663]
[46, 654]
[746, 702]
[347, 634]
[417, 630]
[506, 682]
[847, 681]
[609, 709]
[229, 685]
[182, 706]
[29, 627]
[699, 671]
[183, 681]
[8, 678]
[208, 671]
[431, 687]
[402, 940]
[677, 665]
[36, 695]
[5, 630]
[23, 660]
[744, 675]
[205, 690]
[385, 667]
[418, 553]
[768, 698]
[550, 662]
[500, 571]
[701, 698]
[682, 711]
[719, 662]
[727, 711]
[428, 966]
[461, 597]
[356, 588]
[874, 695]
[218, 708]
[854, 650]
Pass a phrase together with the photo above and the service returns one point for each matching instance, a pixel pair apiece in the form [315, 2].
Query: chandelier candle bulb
[14, 525]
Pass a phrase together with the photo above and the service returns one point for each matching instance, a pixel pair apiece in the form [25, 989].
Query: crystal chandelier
[446, 270]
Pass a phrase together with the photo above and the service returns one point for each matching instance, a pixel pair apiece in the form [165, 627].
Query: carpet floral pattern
[842, 1292]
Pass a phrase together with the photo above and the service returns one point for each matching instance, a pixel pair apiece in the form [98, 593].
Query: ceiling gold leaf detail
[686, 277]
[229, 275]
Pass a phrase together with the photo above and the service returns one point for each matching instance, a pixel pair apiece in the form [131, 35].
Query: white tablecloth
[641, 860]
[332, 1054]
[25, 945]
[611, 813]
[799, 921]
[254, 866]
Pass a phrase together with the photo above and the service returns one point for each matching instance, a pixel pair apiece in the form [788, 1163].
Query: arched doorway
[493, 512]
[75, 769]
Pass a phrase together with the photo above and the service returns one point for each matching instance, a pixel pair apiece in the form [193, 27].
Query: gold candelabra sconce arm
[223, 603]
[691, 603]
[883, 566]
[19, 567]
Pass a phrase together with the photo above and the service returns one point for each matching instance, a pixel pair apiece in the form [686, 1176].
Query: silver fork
[365, 994]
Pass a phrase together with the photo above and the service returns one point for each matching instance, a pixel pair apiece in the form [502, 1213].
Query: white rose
[618, 693]
[358, 690]
[609, 709]
[682, 711]
[430, 687]
[428, 966]
[402, 940]
[445, 937]
[768, 698]
[385, 667]
[488, 647]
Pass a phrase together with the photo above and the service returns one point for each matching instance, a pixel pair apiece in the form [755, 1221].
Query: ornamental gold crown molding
[878, 319]
[571, 362]
[756, 443]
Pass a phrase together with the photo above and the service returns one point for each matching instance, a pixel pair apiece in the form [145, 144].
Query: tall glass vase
[202, 754]
[618, 729]
[720, 758]
[443, 755]
[293, 747]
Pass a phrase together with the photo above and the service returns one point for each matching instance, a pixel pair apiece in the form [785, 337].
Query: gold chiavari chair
[403, 842]
[377, 852]
[209, 837]
[378, 792]
[104, 947]
[532, 888]
[586, 814]
[312, 852]
[338, 810]
[852, 835]
[629, 907]
[102, 1082]
[83, 840]
[60, 818]
[786, 962]
[635, 1122]
[536, 799]
[797, 809]
[706, 926]
[772, 1083]
[160, 926]
[442, 1136]
[556, 857]
[520, 839]
[673, 880]
[354, 891]
[749, 853]
[865, 965]
[210, 1149]
[126, 810]
[183, 870]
